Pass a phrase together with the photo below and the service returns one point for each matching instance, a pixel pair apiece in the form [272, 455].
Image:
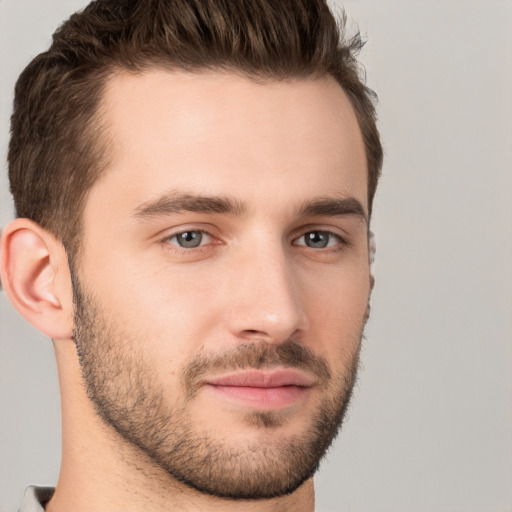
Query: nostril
[254, 333]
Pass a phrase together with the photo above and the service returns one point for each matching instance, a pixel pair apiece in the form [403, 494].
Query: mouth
[263, 390]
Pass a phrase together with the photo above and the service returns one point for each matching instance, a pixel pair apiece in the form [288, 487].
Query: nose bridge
[267, 304]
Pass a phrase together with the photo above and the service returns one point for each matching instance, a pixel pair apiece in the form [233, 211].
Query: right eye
[190, 239]
[319, 239]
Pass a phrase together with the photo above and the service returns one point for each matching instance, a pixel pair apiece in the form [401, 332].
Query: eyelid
[334, 230]
[200, 227]
[340, 239]
[171, 233]
[177, 233]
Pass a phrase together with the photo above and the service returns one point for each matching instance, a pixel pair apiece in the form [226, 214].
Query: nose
[267, 300]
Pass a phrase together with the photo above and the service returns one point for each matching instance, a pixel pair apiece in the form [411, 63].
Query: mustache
[257, 355]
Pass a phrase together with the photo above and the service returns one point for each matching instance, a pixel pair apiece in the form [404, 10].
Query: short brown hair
[58, 149]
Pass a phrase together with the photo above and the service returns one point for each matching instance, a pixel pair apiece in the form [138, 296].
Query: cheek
[340, 290]
[337, 307]
[166, 311]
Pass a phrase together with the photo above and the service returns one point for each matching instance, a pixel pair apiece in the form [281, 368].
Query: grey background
[430, 428]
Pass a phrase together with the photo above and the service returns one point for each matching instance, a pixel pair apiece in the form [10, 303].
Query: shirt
[35, 499]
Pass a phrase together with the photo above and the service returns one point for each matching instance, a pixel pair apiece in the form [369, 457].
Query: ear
[371, 255]
[35, 274]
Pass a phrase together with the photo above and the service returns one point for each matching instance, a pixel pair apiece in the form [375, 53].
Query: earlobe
[34, 271]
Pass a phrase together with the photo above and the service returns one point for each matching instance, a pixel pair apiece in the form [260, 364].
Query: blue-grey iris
[190, 239]
[317, 239]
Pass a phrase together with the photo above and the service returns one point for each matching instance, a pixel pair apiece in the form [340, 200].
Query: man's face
[224, 281]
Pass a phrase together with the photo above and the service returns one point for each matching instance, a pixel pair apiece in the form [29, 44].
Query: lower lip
[266, 399]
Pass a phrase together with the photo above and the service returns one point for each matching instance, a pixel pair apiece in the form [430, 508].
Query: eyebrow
[179, 203]
[333, 207]
[175, 203]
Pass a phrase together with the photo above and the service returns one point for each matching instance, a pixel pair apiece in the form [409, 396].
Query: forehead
[205, 132]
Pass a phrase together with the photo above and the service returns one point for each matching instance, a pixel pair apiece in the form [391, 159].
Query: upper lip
[264, 379]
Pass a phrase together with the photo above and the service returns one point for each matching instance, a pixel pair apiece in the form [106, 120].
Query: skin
[271, 148]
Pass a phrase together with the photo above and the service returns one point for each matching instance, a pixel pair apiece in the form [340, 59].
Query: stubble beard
[120, 383]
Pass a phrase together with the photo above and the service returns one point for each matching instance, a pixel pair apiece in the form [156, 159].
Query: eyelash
[177, 247]
[342, 242]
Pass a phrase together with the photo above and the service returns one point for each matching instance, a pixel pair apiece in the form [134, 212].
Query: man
[193, 183]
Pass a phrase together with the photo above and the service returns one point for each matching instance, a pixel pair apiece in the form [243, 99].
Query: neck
[101, 471]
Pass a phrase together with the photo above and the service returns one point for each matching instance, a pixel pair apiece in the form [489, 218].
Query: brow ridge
[179, 203]
[176, 203]
[333, 207]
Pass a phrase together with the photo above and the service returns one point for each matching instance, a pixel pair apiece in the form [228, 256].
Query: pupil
[317, 239]
[190, 239]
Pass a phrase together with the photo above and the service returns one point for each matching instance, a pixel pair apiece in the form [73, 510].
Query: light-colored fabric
[36, 498]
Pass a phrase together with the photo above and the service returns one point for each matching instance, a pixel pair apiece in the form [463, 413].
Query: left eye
[318, 239]
[190, 239]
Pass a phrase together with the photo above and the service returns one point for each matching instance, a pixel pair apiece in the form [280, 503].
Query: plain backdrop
[430, 427]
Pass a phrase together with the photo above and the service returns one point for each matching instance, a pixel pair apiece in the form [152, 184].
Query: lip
[264, 379]
[264, 390]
